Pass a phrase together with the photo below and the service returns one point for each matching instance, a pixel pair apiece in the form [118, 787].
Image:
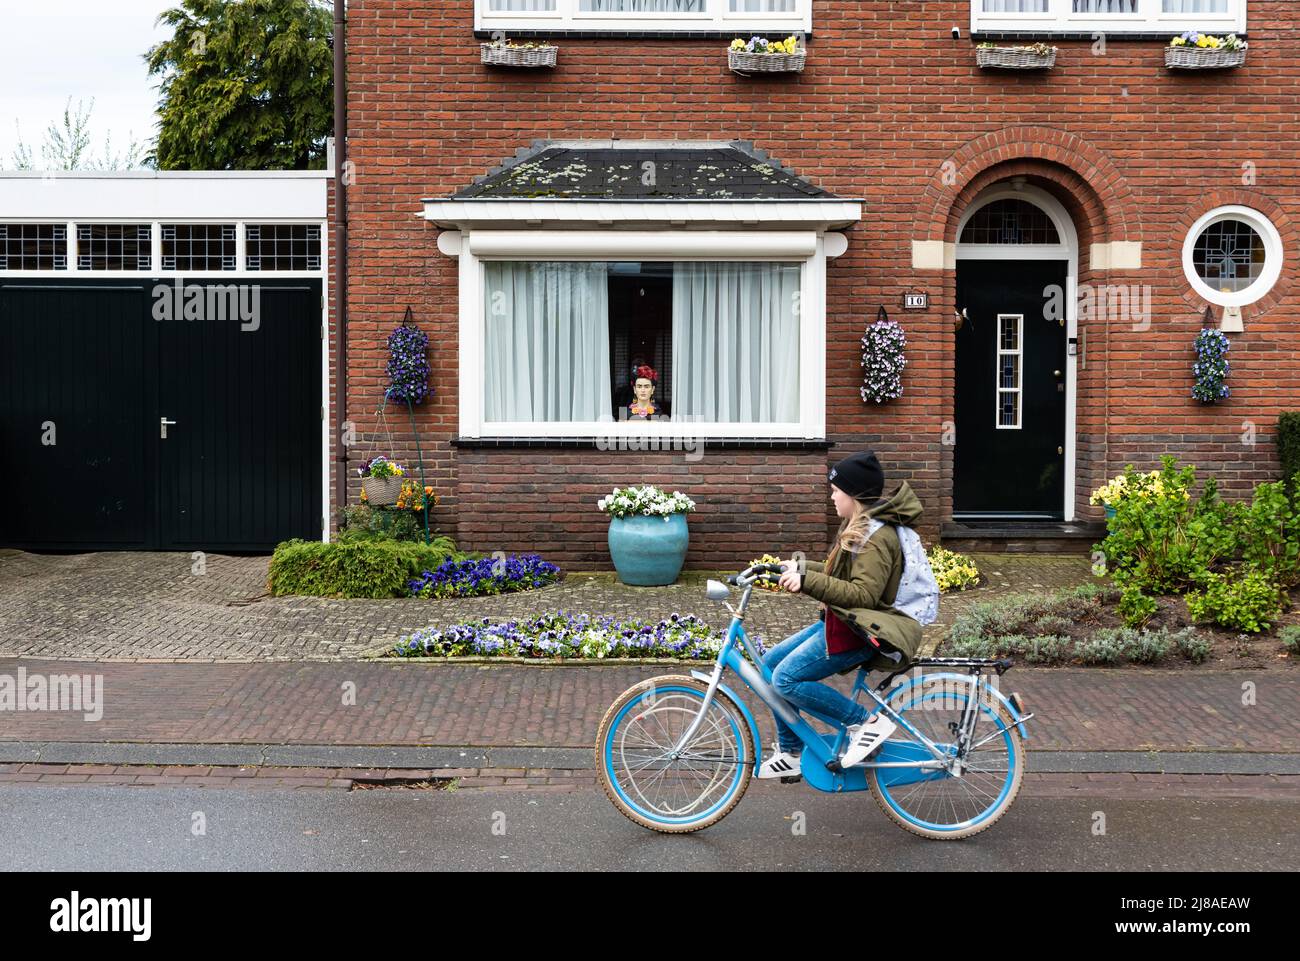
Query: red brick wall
[1135, 153]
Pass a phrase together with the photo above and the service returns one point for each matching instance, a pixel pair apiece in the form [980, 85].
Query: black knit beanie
[859, 476]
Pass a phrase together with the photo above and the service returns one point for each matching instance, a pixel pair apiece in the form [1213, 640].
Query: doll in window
[644, 383]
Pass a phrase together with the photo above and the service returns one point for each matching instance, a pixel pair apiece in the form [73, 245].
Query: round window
[1232, 256]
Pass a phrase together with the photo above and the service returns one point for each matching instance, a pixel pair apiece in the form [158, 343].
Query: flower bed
[486, 576]
[564, 635]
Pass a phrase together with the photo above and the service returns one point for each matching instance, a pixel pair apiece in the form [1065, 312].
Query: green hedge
[354, 567]
[1288, 446]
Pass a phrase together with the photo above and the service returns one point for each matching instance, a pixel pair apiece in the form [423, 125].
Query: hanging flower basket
[381, 481]
[408, 363]
[506, 54]
[883, 355]
[1036, 57]
[758, 55]
[1211, 368]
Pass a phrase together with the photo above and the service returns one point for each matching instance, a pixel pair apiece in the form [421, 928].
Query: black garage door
[91, 379]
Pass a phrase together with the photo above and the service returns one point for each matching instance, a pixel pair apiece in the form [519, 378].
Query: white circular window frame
[1272, 256]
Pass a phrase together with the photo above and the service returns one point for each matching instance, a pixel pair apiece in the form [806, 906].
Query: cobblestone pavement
[432, 703]
[1267, 787]
[110, 606]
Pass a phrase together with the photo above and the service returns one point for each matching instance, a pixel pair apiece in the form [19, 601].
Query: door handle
[163, 424]
[1057, 373]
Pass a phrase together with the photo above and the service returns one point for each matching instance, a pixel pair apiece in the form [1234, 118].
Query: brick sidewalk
[401, 703]
[124, 606]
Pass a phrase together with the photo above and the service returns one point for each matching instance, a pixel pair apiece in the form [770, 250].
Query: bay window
[565, 341]
[666, 16]
[1108, 16]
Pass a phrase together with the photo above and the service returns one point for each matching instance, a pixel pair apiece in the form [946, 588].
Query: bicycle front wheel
[693, 791]
[937, 804]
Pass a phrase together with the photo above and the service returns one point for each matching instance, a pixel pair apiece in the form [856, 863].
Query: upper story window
[722, 16]
[1110, 16]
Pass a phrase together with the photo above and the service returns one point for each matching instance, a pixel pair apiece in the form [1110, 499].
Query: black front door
[89, 373]
[1009, 459]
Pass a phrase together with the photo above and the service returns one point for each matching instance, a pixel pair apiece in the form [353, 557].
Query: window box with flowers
[1037, 56]
[505, 53]
[1201, 51]
[760, 55]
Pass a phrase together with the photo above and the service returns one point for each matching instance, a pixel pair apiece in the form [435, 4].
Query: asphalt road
[108, 828]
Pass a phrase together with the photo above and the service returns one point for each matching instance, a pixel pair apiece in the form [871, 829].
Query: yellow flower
[738, 45]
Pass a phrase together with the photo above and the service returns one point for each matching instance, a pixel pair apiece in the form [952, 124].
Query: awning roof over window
[644, 182]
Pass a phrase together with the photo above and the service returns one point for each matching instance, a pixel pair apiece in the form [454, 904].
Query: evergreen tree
[245, 85]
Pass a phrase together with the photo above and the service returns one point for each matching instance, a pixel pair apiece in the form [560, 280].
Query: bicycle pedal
[792, 779]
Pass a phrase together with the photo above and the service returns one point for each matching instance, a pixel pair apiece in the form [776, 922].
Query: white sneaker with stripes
[780, 764]
[865, 738]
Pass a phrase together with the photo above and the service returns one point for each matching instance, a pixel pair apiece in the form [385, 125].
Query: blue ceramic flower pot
[648, 551]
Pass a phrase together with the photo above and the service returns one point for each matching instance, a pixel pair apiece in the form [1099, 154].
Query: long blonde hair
[853, 533]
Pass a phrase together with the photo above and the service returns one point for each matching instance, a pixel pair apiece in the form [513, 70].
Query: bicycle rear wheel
[936, 804]
[677, 796]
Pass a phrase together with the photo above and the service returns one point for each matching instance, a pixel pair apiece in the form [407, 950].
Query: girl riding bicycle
[857, 584]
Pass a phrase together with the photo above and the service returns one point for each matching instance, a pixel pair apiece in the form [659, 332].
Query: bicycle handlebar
[753, 573]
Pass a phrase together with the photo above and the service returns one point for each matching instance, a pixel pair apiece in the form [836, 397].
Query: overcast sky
[51, 50]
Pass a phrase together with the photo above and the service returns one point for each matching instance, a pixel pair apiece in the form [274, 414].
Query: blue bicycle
[676, 753]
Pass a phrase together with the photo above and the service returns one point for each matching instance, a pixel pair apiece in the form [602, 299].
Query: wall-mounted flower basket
[1036, 57]
[1211, 368]
[527, 55]
[884, 356]
[758, 55]
[1203, 58]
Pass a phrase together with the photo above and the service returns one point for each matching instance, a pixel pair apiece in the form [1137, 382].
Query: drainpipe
[340, 251]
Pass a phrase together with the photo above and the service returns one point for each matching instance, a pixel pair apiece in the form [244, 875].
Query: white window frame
[717, 17]
[1150, 18]
[1018, 390]
[1273, 256]
[553, 245]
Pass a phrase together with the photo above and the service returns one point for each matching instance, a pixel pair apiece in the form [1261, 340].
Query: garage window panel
[284, 247]
[127, 247]
[33, 247]
[194, 247]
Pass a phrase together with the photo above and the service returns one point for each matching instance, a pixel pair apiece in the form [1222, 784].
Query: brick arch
[1081, 176]
[1242, 197]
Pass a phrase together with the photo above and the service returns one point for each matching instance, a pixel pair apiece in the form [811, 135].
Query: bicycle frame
[824, 750]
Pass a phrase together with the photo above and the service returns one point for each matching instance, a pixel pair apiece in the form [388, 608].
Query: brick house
[1059, 235]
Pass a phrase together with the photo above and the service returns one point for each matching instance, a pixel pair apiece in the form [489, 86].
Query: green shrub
[1167, 541]
[1052, 624]
[1288, 449]
[1135, 607]
[1106, 646]
[353, 566]
[1148, 647]
[1245, 600]
[1191, 645]
[1290, 638]
[1269, 533]
[362, 522]
[1052, 649]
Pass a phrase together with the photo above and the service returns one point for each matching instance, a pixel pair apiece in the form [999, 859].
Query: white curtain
[736, 342]
[1105, 6]
[522, 5]
[1015, 6]
[762, 6]
[643, 6]
[547, 344]
[1196, 6]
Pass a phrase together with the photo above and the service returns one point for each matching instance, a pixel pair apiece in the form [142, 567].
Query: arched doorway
[1017, 264]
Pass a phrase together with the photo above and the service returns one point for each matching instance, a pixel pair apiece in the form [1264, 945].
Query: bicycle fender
[967, 679]
[744, 709]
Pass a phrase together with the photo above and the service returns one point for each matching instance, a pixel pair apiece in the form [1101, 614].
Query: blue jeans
[796, 664]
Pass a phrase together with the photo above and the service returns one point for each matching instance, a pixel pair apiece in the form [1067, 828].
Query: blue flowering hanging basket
[408, 363]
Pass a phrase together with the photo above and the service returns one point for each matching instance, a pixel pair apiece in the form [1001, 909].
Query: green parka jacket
[862, 586]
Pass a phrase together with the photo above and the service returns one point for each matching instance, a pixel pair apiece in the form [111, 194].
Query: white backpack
[918, 591]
